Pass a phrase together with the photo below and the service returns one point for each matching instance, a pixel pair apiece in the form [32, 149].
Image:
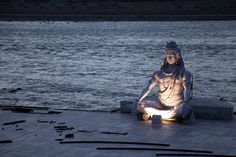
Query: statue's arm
[186, 109]
[187, 85]
[150, 85]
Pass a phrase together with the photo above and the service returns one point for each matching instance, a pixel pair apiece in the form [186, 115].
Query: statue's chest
[168, 83]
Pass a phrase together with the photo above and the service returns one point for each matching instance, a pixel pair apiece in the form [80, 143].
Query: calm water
[95, 65]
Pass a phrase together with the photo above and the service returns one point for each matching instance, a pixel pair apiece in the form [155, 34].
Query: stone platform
[39, 132]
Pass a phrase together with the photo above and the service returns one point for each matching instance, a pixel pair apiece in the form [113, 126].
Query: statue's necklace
[170, 83]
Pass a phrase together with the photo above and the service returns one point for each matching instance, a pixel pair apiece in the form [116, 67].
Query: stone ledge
[208, 108]
[126, 106]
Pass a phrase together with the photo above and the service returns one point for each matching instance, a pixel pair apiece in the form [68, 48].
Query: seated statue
[174, 84]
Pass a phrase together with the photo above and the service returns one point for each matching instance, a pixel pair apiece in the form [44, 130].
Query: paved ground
[40, 138]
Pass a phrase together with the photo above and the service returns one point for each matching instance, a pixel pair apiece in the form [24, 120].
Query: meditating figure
[174, 84]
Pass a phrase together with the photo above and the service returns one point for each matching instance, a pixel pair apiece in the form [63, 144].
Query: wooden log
[153, 149]
[14, 122]
[115, 142]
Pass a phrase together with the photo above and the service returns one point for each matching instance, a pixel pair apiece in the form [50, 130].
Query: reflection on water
[97, 64]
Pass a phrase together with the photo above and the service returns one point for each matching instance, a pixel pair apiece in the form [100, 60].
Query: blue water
[95, 65]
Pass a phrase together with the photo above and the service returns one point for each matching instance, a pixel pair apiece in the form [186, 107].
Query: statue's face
[171, 57]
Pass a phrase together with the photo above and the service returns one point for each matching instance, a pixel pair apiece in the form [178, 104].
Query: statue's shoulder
[156, 74]
[187, 75]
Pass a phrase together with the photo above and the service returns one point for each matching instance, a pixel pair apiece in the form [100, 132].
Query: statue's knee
[143, 116]
[181, 111]
[184, 113]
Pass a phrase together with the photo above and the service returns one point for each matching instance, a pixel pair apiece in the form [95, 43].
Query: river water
[95, 65]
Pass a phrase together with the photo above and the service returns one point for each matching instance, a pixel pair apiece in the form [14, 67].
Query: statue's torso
[170, 90]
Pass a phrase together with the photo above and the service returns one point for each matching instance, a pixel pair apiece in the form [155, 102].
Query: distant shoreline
[117, 10]
[43, 17]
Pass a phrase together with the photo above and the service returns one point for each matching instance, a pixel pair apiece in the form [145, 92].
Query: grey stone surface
[209, 108]
[39, 139]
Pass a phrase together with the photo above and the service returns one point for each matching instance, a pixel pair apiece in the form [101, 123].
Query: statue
[174, 84]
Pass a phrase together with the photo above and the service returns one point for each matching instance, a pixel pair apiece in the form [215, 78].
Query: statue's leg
[141, 109]
[180, 113]
[147, 104]
[183, 113]
[155, 108]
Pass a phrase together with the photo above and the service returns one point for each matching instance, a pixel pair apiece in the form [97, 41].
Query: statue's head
[173, 53]
[173, 57]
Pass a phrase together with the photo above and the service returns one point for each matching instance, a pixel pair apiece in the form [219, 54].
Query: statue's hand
[185, 110]
[136, 106]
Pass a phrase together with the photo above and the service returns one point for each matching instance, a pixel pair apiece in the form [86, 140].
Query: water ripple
[97, 64]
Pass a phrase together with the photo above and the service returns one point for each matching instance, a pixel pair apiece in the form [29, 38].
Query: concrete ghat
[205, 108]
[38, 137]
